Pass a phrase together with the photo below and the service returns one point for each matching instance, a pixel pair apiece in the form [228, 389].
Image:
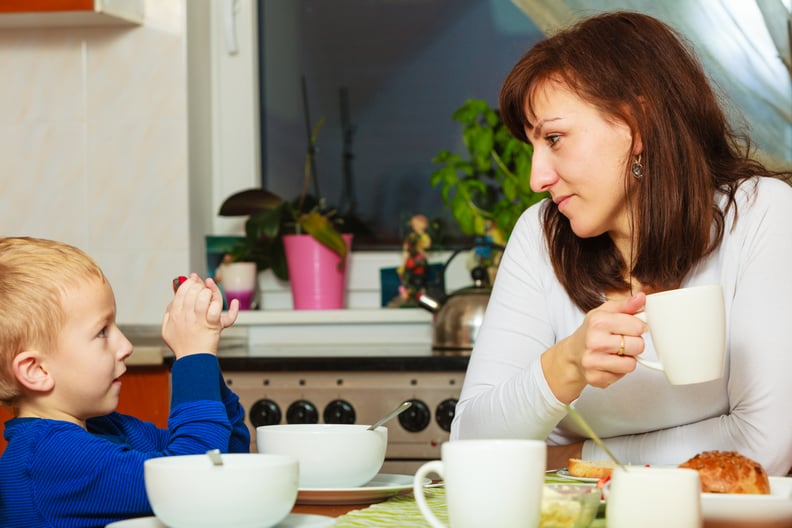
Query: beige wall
[93, 148]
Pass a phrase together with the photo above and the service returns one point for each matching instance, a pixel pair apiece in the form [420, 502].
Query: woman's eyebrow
[537, 130]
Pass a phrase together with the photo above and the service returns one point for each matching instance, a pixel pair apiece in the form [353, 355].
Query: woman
[651, 190]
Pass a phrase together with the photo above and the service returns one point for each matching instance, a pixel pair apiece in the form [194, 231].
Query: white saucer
[564, 472]
[293, 520]
[750, 508]
[378, 489]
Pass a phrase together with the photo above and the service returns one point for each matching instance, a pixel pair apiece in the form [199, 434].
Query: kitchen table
[401, 511]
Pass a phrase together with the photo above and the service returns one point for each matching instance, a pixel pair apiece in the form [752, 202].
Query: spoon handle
[395, 412]
[587, 428]
[214, 455]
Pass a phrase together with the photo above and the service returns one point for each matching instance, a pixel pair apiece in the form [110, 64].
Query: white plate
[381, 487]
[742, 508]
[293, 520]
[565, 473]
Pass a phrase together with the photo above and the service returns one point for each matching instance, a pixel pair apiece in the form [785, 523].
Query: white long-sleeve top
[643, 418]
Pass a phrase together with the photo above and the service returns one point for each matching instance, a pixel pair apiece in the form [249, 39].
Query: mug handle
[655, 365]
[435, 466]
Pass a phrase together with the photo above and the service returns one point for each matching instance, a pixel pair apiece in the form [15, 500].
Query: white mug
[487, 483]
[688, 328]
[653, 497]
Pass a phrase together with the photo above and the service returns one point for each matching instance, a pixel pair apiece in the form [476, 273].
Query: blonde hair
[35, 274]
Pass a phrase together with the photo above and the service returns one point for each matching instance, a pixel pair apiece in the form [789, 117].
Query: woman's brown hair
[636, 69]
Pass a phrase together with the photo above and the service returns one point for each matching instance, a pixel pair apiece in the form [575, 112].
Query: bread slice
[590, 468]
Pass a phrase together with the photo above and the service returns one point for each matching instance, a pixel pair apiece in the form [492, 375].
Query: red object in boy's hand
[178, 281]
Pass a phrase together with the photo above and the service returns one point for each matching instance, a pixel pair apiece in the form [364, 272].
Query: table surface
[339, 510]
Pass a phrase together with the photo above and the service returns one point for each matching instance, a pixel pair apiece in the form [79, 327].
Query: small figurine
[485, 255]
[415, 266]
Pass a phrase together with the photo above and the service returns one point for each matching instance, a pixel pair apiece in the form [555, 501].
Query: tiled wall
[93, 148]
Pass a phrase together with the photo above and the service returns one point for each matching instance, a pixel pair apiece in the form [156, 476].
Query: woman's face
[580, 158]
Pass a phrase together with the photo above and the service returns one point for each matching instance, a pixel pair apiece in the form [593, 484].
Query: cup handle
[655, 365]
[435, 466]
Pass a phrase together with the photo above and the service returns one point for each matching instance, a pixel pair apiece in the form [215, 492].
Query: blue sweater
[56, 474]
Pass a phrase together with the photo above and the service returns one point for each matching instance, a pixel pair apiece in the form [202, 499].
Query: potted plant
[487, 192]
[270, 218]
[275, 225]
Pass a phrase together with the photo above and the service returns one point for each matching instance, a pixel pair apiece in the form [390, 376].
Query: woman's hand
[599, 352]
[194, 319]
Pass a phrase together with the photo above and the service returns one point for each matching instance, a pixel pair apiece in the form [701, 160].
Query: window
[397, 70]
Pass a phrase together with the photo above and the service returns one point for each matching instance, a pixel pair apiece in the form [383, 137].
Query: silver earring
[637, 168]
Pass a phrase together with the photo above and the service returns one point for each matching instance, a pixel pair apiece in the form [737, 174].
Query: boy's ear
[30, 372]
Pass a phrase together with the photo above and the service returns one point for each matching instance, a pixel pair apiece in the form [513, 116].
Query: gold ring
[621, 346]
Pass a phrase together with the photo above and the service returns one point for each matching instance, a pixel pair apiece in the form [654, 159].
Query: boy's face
[90, 354]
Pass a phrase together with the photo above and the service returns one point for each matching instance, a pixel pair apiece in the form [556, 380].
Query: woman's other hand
[600, 352]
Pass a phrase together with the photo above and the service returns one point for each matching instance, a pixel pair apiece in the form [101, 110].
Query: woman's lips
[562, 202]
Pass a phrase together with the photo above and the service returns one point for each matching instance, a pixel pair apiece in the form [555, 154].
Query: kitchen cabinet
[53, 13]
[145, 394]
[5, 414]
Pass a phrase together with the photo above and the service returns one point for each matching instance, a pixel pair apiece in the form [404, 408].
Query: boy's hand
[194, 318]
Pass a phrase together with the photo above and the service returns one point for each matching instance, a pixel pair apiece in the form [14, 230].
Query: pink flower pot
[317, 280]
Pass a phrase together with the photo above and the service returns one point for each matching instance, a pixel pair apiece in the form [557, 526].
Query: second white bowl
[330, 455]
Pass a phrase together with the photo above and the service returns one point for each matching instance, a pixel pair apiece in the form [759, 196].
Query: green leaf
[463, 214]
[320, 227]
[249, 202]
[278, 262]
[265, 223]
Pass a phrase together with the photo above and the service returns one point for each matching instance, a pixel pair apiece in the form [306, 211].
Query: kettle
[458, 315]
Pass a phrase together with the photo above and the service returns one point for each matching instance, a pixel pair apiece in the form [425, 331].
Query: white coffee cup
[653, 497]
[487, 483]
[688, 328]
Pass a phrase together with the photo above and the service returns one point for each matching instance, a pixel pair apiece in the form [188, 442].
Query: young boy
[71, 460]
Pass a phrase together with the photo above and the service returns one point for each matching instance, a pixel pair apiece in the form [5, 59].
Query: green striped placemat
[402, 510]
[398, 512]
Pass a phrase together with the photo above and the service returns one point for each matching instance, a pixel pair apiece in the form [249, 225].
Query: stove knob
[264, 412]
[444, 414]
[416, 418]
[302, 412]
[339, 412]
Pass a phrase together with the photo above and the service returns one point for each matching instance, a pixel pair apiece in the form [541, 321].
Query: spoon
[589, 431]
[214, 455]
[394, 413]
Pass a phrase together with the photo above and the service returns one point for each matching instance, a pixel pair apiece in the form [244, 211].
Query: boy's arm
[240, 434]
[192, 326]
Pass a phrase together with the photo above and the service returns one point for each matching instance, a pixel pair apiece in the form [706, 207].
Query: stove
[357, 390]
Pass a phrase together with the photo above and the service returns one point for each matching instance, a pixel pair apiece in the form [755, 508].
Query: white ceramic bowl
[249, 489]
[331, 455]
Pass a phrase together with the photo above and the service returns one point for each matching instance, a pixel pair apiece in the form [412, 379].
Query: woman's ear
[30, 372]
[637, 148]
